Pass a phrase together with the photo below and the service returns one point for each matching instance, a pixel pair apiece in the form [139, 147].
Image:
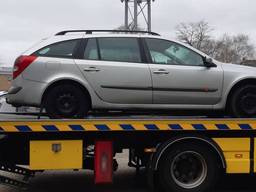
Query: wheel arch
[66, 81]
[198, 139]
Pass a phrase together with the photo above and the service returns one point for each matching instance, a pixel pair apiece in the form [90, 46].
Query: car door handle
[161, 71]
[91, 69]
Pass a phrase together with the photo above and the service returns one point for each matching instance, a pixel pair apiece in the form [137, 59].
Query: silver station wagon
[77, 71]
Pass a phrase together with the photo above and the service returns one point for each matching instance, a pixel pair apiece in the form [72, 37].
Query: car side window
[63, 49]
[123, 49]
[91, 50]
[170, 53]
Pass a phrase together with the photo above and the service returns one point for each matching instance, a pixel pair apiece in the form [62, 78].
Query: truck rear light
[21, 64]
[103, 165]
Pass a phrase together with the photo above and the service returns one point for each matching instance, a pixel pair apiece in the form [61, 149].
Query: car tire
[243, 102]
[66, 101]
[188, 167]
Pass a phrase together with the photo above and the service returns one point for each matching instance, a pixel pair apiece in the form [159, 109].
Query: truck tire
[66, 101]
[243, 102]
[188, 167]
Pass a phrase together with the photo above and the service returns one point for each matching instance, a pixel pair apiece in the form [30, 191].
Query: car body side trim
[186, 89]
[161, 89]
[127, 87]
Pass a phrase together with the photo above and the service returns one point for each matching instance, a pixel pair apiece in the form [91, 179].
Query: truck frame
[178, 154]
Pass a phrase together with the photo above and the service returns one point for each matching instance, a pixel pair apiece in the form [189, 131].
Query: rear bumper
[29, 94]
[3, 93]
[14, 90]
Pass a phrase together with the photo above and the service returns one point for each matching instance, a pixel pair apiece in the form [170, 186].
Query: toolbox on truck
[49, 155]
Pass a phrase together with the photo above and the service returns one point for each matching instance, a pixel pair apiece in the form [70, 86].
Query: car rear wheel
[66, 101]
[243, 102]
[188, 167]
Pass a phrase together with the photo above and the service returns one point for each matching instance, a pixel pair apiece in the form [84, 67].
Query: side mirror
[208, 62]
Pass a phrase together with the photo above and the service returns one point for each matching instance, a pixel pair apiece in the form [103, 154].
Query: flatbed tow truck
[182, 154]
[179, 153]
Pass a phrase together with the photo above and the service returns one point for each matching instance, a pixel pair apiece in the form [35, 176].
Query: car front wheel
[243, 102]
[66, 101]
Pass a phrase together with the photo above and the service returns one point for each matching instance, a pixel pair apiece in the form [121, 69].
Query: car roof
[70, 36]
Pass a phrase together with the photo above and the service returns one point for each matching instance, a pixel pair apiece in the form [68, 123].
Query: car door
[114, 68]
[180, 76]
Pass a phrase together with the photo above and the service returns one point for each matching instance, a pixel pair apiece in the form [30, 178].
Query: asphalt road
[125, 179]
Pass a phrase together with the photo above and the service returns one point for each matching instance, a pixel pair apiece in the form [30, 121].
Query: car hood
[236, 68]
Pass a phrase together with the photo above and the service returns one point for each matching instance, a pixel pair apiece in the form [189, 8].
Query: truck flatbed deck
[127, 124]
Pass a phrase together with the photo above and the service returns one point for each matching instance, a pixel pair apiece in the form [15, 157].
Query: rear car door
[180, 76]
[114, 68]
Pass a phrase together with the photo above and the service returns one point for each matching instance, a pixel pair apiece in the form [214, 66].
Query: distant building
[249, 63]
[5, 77]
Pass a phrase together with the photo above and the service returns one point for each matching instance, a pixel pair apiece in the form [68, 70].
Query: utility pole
[134, 9]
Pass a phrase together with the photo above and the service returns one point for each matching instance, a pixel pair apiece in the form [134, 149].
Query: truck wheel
[243, 102]
[66, 101]
[188, 167]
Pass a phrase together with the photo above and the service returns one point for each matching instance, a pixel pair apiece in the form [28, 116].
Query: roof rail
[111, 31]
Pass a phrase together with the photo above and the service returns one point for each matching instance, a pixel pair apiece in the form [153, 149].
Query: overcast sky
[25, 22]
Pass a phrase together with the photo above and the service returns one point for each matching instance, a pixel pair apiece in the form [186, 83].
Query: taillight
[21, 64]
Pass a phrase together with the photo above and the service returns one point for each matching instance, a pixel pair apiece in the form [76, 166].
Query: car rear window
[63, 49]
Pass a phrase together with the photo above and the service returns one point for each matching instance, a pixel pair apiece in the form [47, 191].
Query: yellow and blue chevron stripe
[127, 125]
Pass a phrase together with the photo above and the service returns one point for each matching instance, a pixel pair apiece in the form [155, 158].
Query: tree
[228, 49]
[242, 47]
[232, 49]
[194, 34]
